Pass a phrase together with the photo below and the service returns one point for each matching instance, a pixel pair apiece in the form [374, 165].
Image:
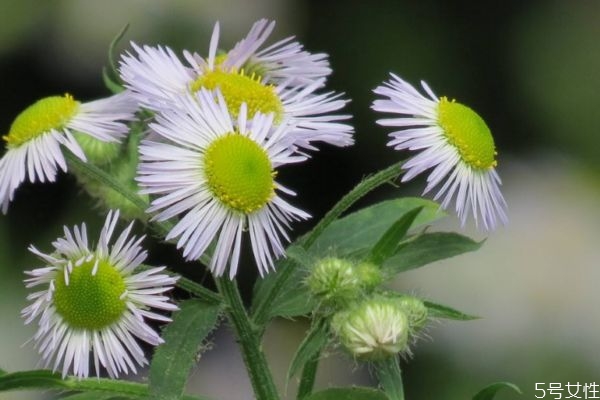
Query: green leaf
[266, 295]
[45, 379]
[358, 232]
[183, 337]
[441, 311]
[354, 393]
[292, 299]
[388, 242]
[311, 346]
[94, 396]
[489, 392]
[427, 248]
[110, 84]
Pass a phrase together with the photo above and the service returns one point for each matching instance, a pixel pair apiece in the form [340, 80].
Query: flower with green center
[94, 302]
[452, 140]
[34, 140]
[218, 174]
[283, 80]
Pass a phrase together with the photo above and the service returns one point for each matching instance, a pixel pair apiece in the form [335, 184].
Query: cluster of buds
[369, 323]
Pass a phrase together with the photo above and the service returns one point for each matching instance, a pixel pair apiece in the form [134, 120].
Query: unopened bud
[374, 329]
[334, 281]
[415, 310]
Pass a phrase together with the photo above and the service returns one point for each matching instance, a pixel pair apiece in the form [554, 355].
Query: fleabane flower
[158, 78]
[93, 301]
[285, 61]
[33, 143]
[218, 174]
[453, 141]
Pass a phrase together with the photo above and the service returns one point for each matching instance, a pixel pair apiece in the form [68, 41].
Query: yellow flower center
[238, 88]
[41, 117]
[468, 132]
[90, 301]
[239, 173]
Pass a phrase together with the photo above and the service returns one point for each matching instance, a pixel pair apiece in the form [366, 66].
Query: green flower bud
[334, 281]
[415, 310]
[369, 275]
[97, 151]
[374, 329]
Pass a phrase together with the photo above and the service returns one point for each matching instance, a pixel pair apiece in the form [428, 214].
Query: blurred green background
[530, 68]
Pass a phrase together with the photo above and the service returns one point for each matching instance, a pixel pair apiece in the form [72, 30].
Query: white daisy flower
[218, 174]
[282, 62]
[453, 140]
[33, 142]
[92, 301]
[158, 78]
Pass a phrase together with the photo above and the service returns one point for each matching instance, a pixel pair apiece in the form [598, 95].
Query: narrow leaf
[311, 345]
[388, 242]
[354, 393]
[441, 311]
[173, 359]
[111, 52]
[489, 392]
[427, 248]
[94, 396]
[45, 379]
[110, 84]
[360, 231]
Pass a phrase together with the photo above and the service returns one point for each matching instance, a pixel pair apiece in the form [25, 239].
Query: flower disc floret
[50, 113]
[91, 296]
[239, 173]
[468, 132]
[238, 88]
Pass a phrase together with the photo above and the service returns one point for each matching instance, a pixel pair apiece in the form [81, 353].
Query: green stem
[256, 363]
[307, 379]
[390, 378]
[261, 310]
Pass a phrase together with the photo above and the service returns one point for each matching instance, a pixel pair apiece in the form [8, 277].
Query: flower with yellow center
[282, 80]
[452, 140]
[33, 142]
[93, 301]
[218, 174]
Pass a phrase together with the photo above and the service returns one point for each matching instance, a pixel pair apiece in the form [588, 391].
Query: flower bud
[369, 275]
[96, 151]
[415, 310]
[334, 281]
[374, 329]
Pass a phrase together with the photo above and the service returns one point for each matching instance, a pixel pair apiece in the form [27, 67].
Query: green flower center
[469, 133]
[40, 117]
[90, 301]
[237, 88]
[239, 173]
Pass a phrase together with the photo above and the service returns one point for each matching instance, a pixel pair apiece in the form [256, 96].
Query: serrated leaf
[490, 391]
[354, 393]
[173, 359]
[358, 232]
[427, 248]
[388, 242]
[311, 345]
[440, 311]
